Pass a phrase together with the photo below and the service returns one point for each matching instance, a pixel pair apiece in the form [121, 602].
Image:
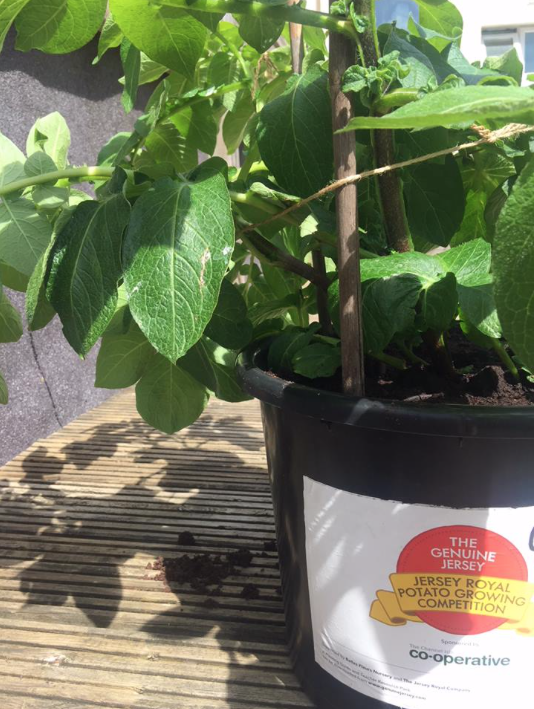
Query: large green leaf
[440, 16]
[131, 63]
[295, 134]
[167, 35]
[229, 325]
[86, 267]
[4, 395]
[467, 104]
[235, 122]
[198, 126]
[9, 9]
[24, 234]
[477, 302]
[11, 278]
[165, 144]
[435, 202]
[469, 262]
[507, 64]
[427, 268]
[176, 252]
[168, 398]
[110, 36]
[222, 71]
[59, 26]
[10, 321]
[317, 360]
[214, 367]
[11, 162]
[51, 135]
[122, 359]
[513, 267]
[284, 347]
[260, 32]
[388, 307]
[439, 303]
[39, 312]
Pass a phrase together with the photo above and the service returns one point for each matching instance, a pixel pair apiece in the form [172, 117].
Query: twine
[486, 137]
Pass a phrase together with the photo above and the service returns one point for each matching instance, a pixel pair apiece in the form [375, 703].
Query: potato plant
[178, 261]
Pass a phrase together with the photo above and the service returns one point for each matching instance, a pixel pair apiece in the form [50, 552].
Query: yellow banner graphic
[474, 595]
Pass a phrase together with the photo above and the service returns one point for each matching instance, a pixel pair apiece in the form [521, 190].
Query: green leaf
[24, 235]
[168, 398]
[317, 360]
[272, 308]
[8, 12]
[229, 325]
[435, 201]
[235, 122]
[150, 70]
[4, 395]
[58, 26]
[86, 266]
[295, 134]
[439, 303]
[39, 164]
[486, 170]
[198, 126]
[477, 302]
[165, 144]
[507, 64]
[108, 154]
[442, 17]
[10, 321]
[260, 32]
[11, 278]
[176, 251]
[131, 63]
[388, 307]
[46, 197]
[11, 162]
[469, 262]
[456, 106]
[427, 268]
[214, 367]
[110, 36]
[167, 35]
[51, 135]
[122, 359]
[513, 266]
[473, 225]
[224, 70]
[421, 67]
[39, 312]
[472, 75]
[285, 347]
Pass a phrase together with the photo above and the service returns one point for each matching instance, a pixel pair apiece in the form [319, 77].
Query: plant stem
[391, 361]
[252, 200]
[322, 295]
[505, 358]
[265, 250]
[86, 174]
[282, 13]
[235, 51]
[439, 355]
[342, 55]
[389, 184]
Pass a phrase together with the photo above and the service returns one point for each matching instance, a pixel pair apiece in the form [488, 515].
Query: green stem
[85, 174]
[229, 88]
[282, 13]
[235, 51]
[505, 358]
[394, 362]
[252, 200]
[395, 99]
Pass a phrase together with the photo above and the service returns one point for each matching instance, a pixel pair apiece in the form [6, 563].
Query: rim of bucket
[424, 419]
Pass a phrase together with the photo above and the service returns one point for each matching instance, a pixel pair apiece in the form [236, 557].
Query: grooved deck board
[84, 620]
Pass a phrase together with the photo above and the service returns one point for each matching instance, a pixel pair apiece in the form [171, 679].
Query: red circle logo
[467, 551]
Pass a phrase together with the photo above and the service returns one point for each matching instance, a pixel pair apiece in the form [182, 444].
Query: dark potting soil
[204, 573]
[481, 379]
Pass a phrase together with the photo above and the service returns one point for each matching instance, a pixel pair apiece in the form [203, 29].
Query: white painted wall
[491, 14]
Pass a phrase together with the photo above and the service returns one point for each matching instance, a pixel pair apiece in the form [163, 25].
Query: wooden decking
[83, 516]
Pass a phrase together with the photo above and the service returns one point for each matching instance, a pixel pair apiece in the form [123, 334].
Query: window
[398, 11]
[497, 42]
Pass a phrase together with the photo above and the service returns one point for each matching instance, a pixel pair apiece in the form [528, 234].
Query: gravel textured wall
[48, 384]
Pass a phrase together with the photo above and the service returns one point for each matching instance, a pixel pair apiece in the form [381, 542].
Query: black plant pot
[406, 542]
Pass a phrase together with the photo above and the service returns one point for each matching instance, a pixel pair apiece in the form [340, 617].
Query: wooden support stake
[342, 55]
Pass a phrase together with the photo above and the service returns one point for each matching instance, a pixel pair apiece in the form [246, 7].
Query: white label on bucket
[422, 606]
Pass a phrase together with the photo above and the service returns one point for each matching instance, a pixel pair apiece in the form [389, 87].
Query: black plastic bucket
[406, 542]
